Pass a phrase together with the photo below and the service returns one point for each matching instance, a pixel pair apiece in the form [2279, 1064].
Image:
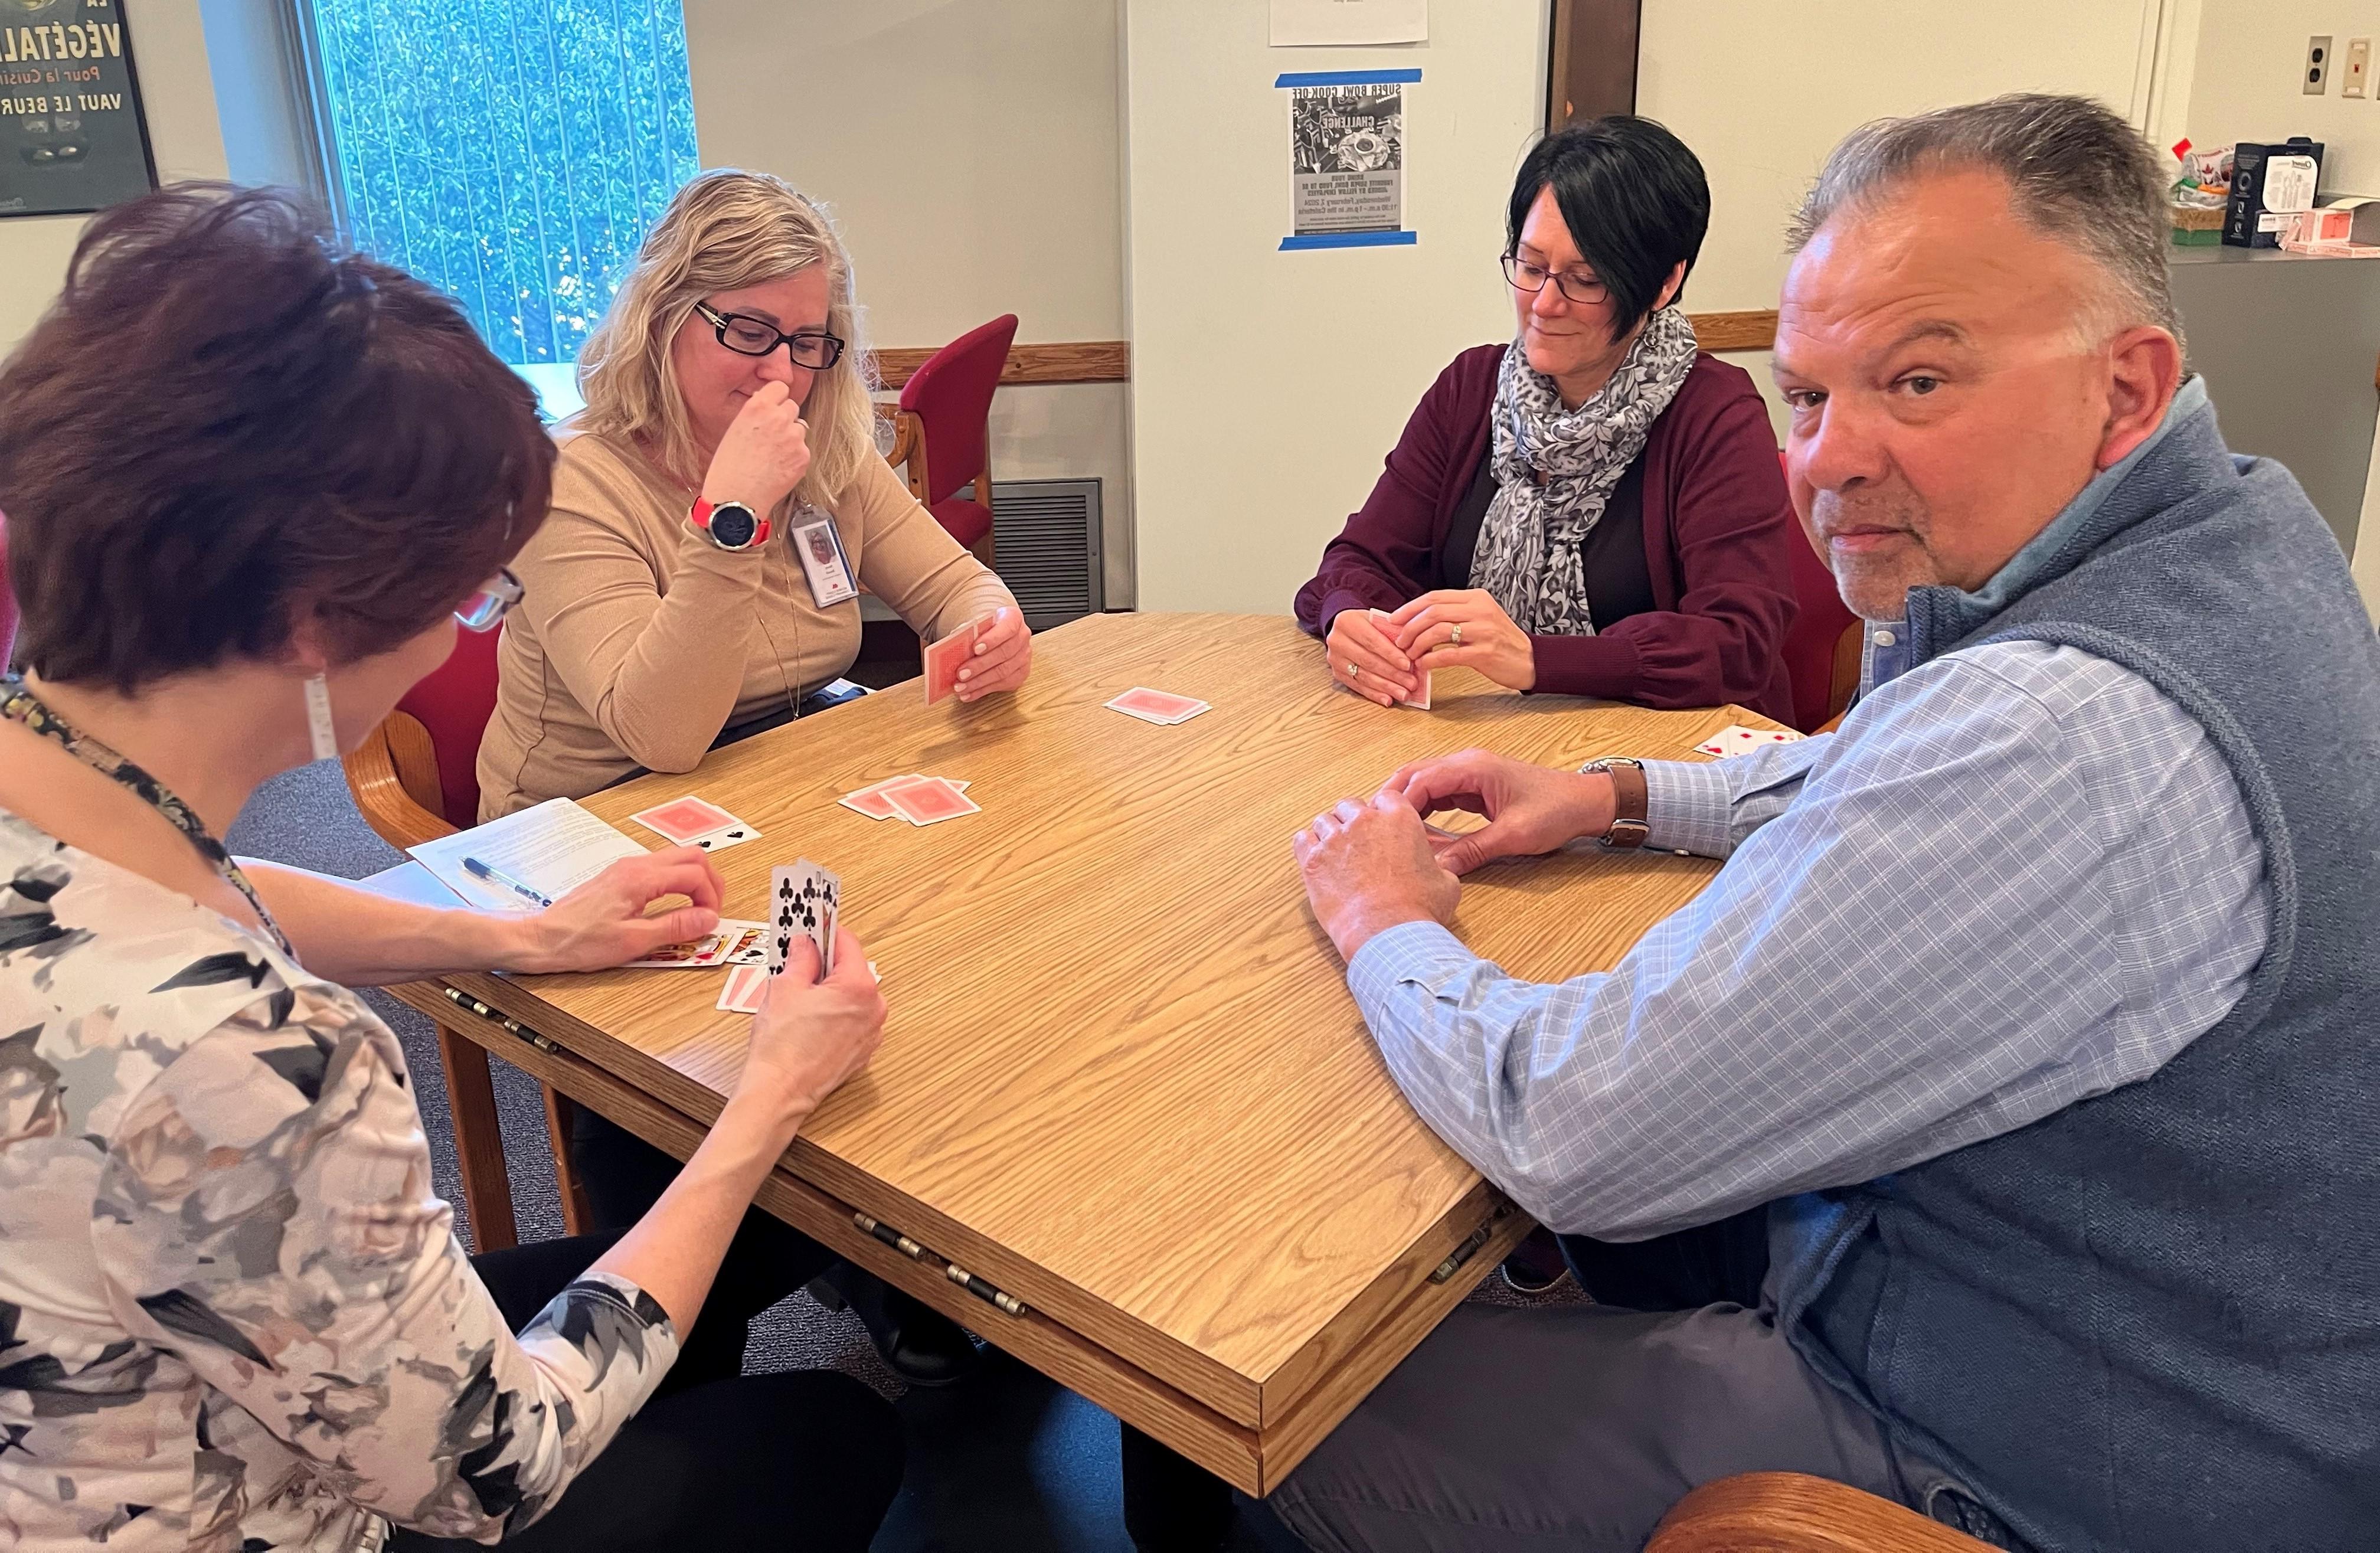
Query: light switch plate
[2317, 65]
[2359, 67]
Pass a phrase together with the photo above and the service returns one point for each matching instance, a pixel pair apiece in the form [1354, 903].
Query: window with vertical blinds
[511, 152]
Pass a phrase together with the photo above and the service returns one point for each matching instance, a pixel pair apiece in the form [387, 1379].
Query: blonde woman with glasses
[676, 601]
[678, 597]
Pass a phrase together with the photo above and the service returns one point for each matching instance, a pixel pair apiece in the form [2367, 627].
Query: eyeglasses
[485, 609]
[1527, 276]
[814, 348]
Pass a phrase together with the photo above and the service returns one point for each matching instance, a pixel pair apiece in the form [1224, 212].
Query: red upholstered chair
[417, 779]
[8, 599]
[941, 430]
[1822, 647]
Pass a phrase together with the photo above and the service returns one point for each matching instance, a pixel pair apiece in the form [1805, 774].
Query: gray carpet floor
[1005, 1460]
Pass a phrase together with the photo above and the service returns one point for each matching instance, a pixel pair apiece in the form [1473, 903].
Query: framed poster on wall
[73, 138]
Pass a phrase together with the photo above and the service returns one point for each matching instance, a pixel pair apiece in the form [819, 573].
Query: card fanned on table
[1737, 739]
[945, 658]
[875, 800]
[1421, 701]
[692, 821]
[1160, 707]
[803, 898]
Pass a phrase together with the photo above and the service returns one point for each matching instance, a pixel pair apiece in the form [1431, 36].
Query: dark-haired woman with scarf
[1595, 509]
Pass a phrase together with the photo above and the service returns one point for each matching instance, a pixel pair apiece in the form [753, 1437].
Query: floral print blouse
[232, 1312]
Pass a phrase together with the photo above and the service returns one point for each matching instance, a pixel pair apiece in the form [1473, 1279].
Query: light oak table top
[1123, 1078]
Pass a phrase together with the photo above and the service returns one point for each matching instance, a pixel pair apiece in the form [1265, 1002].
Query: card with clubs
[1420, 700]
[1737, 739]
[1160, 707]
[692, 821]
[803, 898]
[945, 658]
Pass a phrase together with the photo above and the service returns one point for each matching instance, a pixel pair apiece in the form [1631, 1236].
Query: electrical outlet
[2318, 65]
[2359, 67]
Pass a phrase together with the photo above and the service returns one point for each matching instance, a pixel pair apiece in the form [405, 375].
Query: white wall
[1763, 92]
[970, 151]
[1267, 386]
[170, 53]
[2246, 86]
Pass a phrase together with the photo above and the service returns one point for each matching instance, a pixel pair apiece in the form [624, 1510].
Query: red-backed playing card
[741, 993]
[1157, 706]
[930, 801]
[684, 820]
[944, 659]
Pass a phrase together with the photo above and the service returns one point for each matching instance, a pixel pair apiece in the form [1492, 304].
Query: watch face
[731, 526]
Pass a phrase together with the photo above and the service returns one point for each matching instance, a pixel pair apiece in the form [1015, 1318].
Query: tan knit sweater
[638, 641]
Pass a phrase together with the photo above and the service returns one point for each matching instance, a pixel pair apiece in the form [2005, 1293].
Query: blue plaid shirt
[2017, 878]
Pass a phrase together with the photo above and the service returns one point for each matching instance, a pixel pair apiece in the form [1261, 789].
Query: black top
[1618, 584]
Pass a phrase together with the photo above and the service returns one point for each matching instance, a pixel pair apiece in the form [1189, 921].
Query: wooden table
[1123, 1084]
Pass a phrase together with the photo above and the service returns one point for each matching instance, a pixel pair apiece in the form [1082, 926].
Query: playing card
[1736, 739]
[726, 836]
[1160, 707]
[685, 820]
[690, 956]
[803, 898]
[944, 659]
[742, 943]
[741, 993]
[1419, 701]
[869, 802]
[928, 801]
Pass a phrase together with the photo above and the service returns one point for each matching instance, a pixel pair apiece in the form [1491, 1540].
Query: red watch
[731, 525]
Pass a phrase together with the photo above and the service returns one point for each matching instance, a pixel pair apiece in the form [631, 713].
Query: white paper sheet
[553, 848]
[1340, 23]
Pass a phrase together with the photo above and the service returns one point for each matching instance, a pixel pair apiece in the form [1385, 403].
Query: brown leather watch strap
[1630, 808]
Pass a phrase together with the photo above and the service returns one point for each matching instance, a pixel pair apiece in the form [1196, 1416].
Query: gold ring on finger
[1458, 633]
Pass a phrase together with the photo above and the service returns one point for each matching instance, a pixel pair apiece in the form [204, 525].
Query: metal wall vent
[1045, 543]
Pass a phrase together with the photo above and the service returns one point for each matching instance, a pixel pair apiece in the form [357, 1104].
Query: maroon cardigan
[1718, 530]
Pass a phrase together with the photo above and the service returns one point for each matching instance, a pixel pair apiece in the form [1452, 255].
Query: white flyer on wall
[1347, 157]
[1340, 23]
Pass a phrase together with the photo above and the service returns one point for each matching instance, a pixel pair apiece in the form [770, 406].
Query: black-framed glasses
[486, 608]
[745, 336]
[1525, 276]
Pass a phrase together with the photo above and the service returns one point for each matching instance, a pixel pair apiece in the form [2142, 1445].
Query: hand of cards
[1737, 739]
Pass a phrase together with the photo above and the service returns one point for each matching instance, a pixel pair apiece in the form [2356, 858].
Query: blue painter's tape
[1346, 78]
[1351, 239]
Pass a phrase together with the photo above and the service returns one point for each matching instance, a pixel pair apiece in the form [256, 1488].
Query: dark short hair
[227, 424]
[1636, 201]
[2077, 174]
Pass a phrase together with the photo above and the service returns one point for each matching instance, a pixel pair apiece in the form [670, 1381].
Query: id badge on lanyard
[815, 540]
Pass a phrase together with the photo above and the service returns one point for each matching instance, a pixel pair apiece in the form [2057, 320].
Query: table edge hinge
[502, 1020]
[1471, 1244]
[998, 1298]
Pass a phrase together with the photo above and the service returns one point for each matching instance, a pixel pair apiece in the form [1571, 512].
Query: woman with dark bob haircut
[1595, 509]
[251, 482]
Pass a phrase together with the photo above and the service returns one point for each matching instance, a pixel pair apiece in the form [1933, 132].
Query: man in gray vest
[2032, 1027]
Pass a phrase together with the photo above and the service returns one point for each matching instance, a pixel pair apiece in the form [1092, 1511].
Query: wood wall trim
[1745, 331]
[1072, 361]
[1110, 360]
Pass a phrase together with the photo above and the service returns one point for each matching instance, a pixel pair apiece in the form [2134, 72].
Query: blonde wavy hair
[725, 230]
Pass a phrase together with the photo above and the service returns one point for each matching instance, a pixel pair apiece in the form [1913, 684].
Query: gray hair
[2077, 174]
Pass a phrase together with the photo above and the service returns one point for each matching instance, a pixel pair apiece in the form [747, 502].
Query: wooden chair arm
[909, 448]
[1789, 1513]
[377, 772]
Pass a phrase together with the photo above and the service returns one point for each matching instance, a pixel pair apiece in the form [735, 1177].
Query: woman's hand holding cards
[765, 453]
[602, 923]
[813, 1032]
[1365, 657]
[1003, 657]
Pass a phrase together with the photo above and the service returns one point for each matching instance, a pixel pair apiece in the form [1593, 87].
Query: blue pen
[474, 867]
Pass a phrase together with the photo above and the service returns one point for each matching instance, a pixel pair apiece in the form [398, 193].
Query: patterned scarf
[1555, 470]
